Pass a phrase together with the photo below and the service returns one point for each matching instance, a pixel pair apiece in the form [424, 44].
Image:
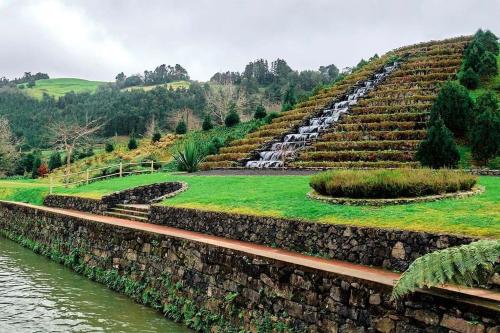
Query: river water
[38, 295]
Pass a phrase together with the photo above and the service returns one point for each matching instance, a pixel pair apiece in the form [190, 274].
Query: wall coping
[475, 296]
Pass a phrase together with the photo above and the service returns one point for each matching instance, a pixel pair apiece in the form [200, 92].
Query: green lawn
[285, 196]
[174, 85]
[59, 87]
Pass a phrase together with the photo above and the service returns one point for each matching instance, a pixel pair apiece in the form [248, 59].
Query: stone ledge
[396, 201]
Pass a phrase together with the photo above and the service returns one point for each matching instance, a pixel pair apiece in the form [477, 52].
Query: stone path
[482, 297]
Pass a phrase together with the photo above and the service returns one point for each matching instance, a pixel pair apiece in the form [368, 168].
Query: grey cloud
[209, 36]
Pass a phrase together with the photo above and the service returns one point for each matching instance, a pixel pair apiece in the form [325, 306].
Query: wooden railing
[87, 176]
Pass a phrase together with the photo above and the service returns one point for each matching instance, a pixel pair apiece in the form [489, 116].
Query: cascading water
[291, 143]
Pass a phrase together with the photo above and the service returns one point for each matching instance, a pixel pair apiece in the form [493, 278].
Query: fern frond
[462, 265]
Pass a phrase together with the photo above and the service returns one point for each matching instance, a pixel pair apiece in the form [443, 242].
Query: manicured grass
[31, 191]
[59, 87]
[285, 196]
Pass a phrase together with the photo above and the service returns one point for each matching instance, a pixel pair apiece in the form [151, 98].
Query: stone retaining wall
[138, 195]
[391, 249]
[218, 289]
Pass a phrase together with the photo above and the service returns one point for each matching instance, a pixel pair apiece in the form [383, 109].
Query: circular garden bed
[386, 187]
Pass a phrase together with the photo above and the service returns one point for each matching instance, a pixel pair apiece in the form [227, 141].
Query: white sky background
[96, 39]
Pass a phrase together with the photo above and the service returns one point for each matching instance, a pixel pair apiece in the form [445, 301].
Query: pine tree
[132, 143]
[156, 137]
[454, 105]
[232, 117]
[109, 147]
[36, 164]
[488, 65]
[485, 132]
[289, 98]
[207, 123]
[469, 79]
[260, 112]
[488, 40]
[181, 127]
[55, 161]
[438, 150]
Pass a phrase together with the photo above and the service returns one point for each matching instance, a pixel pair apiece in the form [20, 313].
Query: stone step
[126, 217]
[139, 213]
[134, 207]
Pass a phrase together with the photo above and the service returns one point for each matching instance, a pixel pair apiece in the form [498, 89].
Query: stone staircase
[132, 212]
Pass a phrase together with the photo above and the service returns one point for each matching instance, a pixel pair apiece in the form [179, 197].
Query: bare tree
[219, 98]
[8, 152]
[68, 136]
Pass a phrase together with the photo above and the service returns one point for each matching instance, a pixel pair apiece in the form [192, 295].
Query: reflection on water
[37, 295]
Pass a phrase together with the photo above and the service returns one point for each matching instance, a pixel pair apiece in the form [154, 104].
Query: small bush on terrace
[401, 183]
[189, 155]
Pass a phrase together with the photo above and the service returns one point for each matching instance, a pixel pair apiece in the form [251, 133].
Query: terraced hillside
[382, 130]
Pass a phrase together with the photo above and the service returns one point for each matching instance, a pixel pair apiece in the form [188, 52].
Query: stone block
[461, 325]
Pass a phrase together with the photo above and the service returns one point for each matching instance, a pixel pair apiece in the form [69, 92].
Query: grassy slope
[59, 87]
[175, 85]
[285, 196]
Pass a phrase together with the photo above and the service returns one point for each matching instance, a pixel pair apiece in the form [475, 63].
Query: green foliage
[207, 123]
[232, 117]
[36, 164]
[189, 155]
[463, 265]
[260, 112]
[156, 137]
[438, 149]
[390, 183]
[181, 127]
[132, 143]
[215, 145]
[488, 65]
[485, 131]
[469, 79]
[109, 147]
[55, 161]
[480, 54]
[289, 98]
[454, 106]
[270, 116]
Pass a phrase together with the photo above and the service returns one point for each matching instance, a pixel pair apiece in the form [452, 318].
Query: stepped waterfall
[291, 143]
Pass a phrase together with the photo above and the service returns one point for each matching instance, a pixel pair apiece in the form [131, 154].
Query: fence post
[152, 166]
[121, 169]
[88, 176]
[51, 185]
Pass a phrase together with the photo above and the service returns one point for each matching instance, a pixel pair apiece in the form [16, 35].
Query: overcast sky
[96, 39]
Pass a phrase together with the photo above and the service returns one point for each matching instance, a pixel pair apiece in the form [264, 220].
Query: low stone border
[396, 201]
[184, 187]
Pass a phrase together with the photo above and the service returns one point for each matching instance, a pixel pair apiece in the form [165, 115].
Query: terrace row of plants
[385, 128]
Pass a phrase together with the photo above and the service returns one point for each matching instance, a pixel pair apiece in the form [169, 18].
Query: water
[291, 143]
[38, 295]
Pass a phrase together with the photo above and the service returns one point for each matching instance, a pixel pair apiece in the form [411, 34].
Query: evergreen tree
[488, 40]
[469, 79]
[132, 143]
[109, 147]
[289, 98]
[207, 123]
[438, 150]
[36, 164]
[260, 112]
[485, 131]
[181, 127]
[488, 65]
[454, 105]
[232, 117]
[156, 137]
[55, 161]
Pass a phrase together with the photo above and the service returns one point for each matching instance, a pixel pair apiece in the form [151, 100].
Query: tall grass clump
[401, 183]
[189, 154]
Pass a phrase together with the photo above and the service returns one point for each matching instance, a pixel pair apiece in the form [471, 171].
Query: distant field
[59, 87]
[175, 85]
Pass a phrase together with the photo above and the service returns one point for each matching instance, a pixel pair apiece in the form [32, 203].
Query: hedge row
[354, 165]
[375, 135]
[382, 126]
[358, 155]
[381, 117]
[367, 145]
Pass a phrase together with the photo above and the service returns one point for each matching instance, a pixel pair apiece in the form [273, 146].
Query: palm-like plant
[189, 155]
[466, 265]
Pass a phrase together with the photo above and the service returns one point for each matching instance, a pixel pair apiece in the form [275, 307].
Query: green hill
[174, 85]
[59, 87]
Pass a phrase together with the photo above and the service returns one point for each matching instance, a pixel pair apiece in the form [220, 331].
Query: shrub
[488, 40]
[232, 117]
[181, 127]
[469, 265]
[485, 131]
[488, 65]
[469, 79]
[260, 112]
[42, 170]
[188, 156]
[454, 105]
[207, 123]
[132, 143]
[438, 150]
[110, 147]
[390, 183]
[156, 137]
[37, 162]
[55, 161]
[215, 145]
